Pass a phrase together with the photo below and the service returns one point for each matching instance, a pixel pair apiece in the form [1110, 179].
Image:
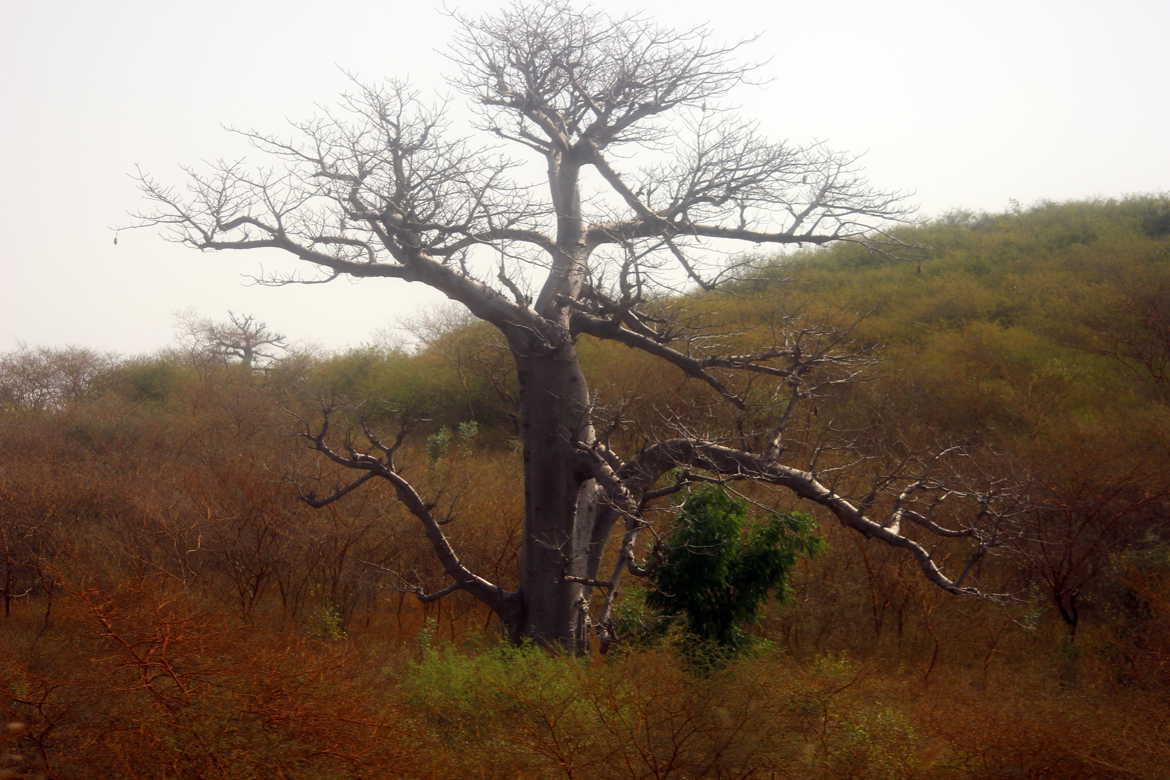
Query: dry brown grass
[186, 617]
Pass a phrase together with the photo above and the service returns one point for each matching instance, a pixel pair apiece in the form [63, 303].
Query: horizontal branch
[417, 590]
[641, 472]
[653, 227]
[312, 500]
[613, 331]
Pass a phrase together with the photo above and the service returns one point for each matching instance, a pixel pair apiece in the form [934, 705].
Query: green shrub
[471, 695]
[716, 569]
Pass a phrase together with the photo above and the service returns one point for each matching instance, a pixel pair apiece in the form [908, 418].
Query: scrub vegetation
[171, 605]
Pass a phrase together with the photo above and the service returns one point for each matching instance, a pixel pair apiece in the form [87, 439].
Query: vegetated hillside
[1060, 314]
[171, 608]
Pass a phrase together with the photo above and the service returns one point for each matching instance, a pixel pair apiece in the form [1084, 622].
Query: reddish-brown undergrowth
[172, 610]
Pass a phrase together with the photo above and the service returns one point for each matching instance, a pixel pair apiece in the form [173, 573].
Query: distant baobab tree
[241, 338]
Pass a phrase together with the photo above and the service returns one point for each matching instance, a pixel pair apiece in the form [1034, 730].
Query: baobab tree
[649, 177]
[241, 338]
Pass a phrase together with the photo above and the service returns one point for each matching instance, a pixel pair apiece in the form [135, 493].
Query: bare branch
[311, 498]
[417, 589]
[654, 461]
[408, 496]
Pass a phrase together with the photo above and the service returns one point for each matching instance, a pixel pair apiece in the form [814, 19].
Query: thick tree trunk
[560, 501]
[560, 496]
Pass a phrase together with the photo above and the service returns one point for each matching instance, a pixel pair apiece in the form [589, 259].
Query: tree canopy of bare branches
[241, 338]
[649, 178]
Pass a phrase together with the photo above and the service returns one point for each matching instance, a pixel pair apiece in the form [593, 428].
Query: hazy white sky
[966, 104]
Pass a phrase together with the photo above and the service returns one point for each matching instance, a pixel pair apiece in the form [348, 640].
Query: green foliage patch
[484, 695]
[717, 569]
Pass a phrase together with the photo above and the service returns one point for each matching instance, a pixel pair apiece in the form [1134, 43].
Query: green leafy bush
[717, 570]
